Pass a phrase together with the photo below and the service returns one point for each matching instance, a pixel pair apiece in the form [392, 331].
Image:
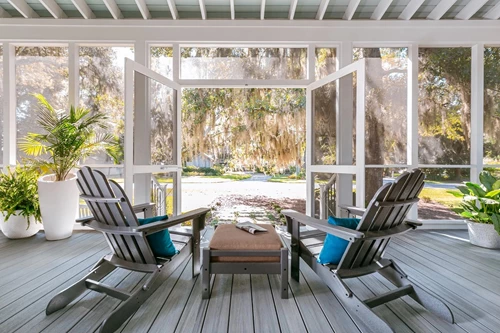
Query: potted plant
[481, 208]
[19, 207]
[70, 137]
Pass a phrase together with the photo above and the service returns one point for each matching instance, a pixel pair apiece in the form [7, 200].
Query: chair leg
[128, 308]
[397, 276]
[205, 274]
[363, 315]
[295, 247]
[284, 273]
[195, 242]
[69, 294]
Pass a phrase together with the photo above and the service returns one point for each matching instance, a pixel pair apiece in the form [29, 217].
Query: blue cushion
[334, 247]
[160, 241]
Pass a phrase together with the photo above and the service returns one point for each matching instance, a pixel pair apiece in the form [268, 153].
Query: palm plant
[68, 138]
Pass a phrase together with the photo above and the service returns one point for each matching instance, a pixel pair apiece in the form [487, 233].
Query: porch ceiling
[254, 9]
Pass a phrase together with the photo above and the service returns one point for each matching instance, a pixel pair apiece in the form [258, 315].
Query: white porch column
[345, 126]
[412, 115]
[142, 126]
[9, 105]
[74, 74]
[477, 112]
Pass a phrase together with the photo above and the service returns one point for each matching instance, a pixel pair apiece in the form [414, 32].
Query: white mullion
[129, 129]
[493, 13]
[173, 9]
[176, 63]
[143, 8]
[441, 8]
[380, 10]
[322, 9]
[203, 9]
[178, 150]
[4, 14]
[293, 7]
[262, 9]
[410, 9]
[470, 9]
[9, 104]
[412, 115]
[84, 9]
[477, 111]
[113, 9]
[351, 9]
[22, 7]
[74, 74]
[309, 150]
[53, 9]
[311, 62]
[231, 5]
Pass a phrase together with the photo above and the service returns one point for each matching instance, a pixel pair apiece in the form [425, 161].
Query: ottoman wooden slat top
[228, 237]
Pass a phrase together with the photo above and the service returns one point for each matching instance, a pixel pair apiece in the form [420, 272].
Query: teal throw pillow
[334, 247]
[160, 242]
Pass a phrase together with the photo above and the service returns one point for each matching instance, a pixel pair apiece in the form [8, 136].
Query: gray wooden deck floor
[33, 270]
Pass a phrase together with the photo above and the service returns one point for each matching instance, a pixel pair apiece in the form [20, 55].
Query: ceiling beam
[113, 9]
[22, 7]
[4, 14]
[410, 9]
[262, 9]
[441, 8]
[231, 4]
[53, 9]
[143, 8]
[173, 9]
[493, 13]
[84, 9]
[322, 9]
[351, 9]
[382, 7]
[293, 7]
[470, 9]
[203, 9]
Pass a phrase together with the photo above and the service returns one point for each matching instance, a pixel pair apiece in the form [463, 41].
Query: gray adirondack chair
[115, 217]
[384, 218]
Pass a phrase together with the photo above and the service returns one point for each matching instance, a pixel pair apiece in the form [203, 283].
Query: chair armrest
[358, 211]
[84, 220]
[323, 225]
[162, 225]
[144, 207]
[413, 223]
[112, 229]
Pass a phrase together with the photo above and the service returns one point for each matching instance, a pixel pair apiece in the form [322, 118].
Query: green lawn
[442, 196]
[284, 179]
[230, 176]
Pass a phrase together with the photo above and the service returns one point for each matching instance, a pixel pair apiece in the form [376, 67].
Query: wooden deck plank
[461, 303]
[289, 316]
[144, 318]
[265, 316]
[217, 315]
[31, 284]
[241, 312]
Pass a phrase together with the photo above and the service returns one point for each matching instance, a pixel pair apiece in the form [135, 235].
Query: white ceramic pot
[17, 226]
[484, 235]
[58, 205]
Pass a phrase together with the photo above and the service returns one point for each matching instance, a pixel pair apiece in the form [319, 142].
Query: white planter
[17, 226]
[58, 205]
[484, 235]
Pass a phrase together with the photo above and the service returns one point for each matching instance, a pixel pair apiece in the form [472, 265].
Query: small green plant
[481, 202]
[68, 139]
[19, 193]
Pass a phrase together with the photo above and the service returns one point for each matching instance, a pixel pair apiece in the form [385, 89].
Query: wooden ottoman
[235, 251]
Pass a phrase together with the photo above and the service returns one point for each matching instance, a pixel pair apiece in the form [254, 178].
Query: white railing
[327, 201]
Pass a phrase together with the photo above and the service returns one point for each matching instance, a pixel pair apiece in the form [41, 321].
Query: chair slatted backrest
[387, 210]
[93, 183]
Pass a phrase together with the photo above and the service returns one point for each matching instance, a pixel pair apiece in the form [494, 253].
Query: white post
[360, 133]
[9, 104]
[477, 111]
[74, 74]
[344, 126]
[309, 151]
[412, 115]
[142, 126]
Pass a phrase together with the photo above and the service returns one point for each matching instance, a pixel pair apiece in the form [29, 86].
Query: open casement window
[152, 137]
[335, 139]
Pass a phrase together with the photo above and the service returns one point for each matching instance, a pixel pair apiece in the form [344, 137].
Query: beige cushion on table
[228, 237]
